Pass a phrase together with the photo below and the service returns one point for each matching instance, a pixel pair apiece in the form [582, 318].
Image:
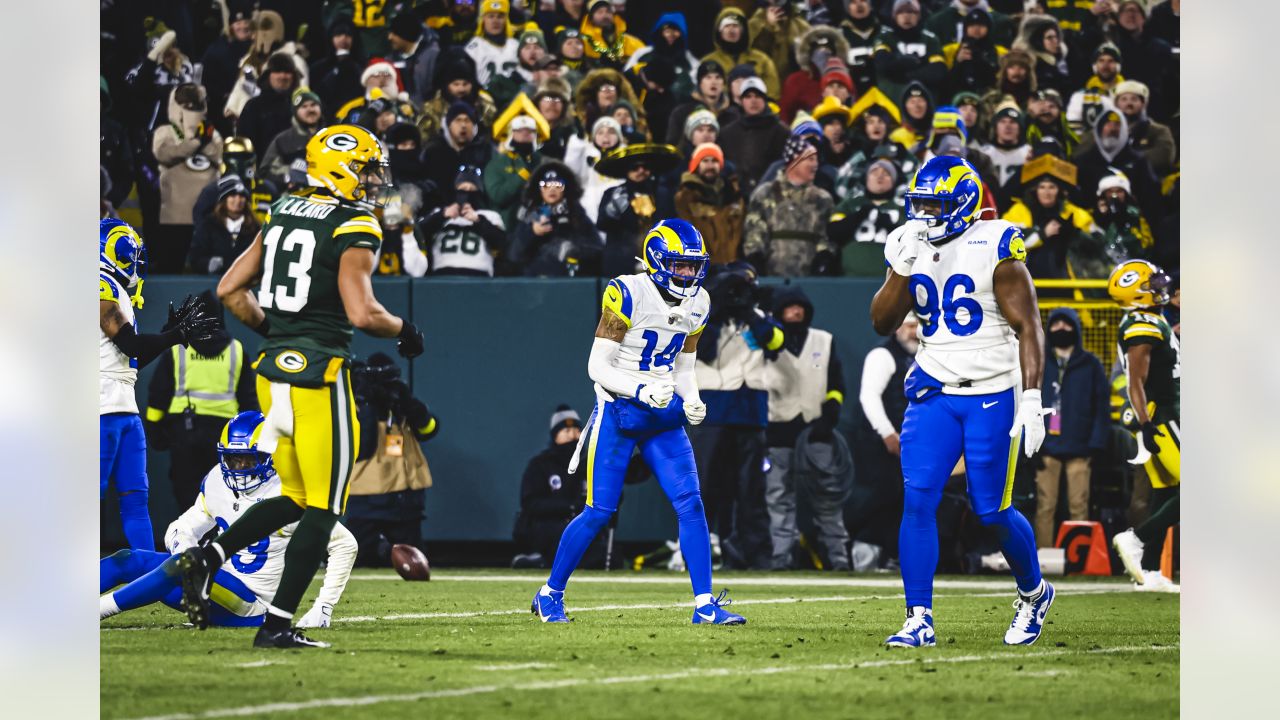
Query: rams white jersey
[260, 565]
[117, 372]
[656, 329]
[965, 341]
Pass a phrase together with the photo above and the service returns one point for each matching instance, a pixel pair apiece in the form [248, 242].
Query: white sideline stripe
[259, 663]
[688, 674]
[516, 666]
[888, 582]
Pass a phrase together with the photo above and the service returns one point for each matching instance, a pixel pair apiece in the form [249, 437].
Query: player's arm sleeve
[160, 389]
[835, 378]
[601, 369]
[686, 377]
[187, 530]
[877, 370]
[361, 231]
[342, 557]
[144, 348]
[415, 260]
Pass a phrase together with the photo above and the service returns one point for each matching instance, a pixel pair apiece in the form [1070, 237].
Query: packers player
[243, 477]
[980, 341]
[1151, 358]
[303, 284]
[122, 267]
[642, 362]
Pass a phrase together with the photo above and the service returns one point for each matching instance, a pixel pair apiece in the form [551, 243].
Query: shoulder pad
[107, 289]
[361, 222]
[617, 298]
[1011, 245]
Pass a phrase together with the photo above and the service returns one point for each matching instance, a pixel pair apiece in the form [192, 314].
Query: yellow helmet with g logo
[343, 159]
[1138, 284]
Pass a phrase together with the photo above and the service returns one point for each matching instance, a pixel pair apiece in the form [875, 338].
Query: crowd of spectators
[797, 125]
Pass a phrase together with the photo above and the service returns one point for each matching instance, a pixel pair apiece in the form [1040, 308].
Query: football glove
[192, 320]
[1030, 421]
[412, 343]
[1148, 435]
[656, 395]
[904, 245]
[695, 411]
[319, 616]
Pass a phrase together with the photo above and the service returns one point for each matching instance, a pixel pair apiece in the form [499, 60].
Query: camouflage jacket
[787, 224]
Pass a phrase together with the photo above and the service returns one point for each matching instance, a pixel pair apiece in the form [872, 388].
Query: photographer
[549, 495]
[729, 446]
[389, 476]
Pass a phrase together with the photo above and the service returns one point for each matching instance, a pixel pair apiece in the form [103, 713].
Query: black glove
[412, 343]
[192, 321]
[825, 263]
[1149, 434]
[824, 427]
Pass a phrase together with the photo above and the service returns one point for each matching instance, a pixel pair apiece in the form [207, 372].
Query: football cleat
[197, 576]
[917, 630]
[285, 639]
[549, 608]
[1129, 548]
[1155, 581]
[713, 613]
[1028, 617]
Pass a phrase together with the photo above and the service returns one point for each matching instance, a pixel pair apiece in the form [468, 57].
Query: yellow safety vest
[207, 385]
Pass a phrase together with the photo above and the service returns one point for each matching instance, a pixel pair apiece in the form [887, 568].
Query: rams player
[1152, 363]
[303, 284]
[642, 362]
[980, 339]
[122, 267]
[243, 586]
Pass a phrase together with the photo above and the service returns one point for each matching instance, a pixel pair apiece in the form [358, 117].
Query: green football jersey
[302, 243]
[1165, 372]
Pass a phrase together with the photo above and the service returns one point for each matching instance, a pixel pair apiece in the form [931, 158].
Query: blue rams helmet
[947, 194]
[672, 244]
[244, 467]
[122, 254]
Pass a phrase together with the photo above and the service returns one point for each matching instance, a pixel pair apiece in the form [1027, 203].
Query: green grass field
[464, 645]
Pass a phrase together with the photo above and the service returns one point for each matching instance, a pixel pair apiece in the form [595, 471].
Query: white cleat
[1129, 548]
[1155, 581]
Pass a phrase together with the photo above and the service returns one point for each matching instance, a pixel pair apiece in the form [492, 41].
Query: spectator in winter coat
[414, 50]
[553, 235]
[1088, 102]
[973, 59]
[456, 81]
[337, 77]
[188, 150]
[1147, 137]
[505, 85]
[948, 23]
[861, 29]
[906, 51]
[1041, 36]
[115, 153]
[711, 95]
[785, 231]
[917, 115]
[552, 100]
[1008, 152]
[465, 236]
[221, 61]
[1046, 121]
[1125, 233]
[1015, 79]
[1147, 58]
[755, 140]
[1109, 151]
[837, 144]
[598, 92]
[669, 41]
[271, 111]
[802, 89]
[581, 156]
[775, 31]
[1076, 387]
[1057, 231]
[861, 223]
[493, 48]
[605, 37]
[711, 201]
[733, 48]
[291, 144]
[873, 119]
[549, 496]
[458, 143]
[223, 234]
[628, 210]
[457, 27]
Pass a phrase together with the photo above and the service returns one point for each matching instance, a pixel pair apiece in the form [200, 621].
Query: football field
[464, 645]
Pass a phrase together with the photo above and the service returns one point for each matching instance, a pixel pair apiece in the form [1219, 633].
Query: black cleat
[285, 639]
[197, 575]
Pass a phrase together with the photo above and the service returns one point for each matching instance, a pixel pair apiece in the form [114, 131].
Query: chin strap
[136, 297]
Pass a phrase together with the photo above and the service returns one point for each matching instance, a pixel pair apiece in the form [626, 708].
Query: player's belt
[962, 384]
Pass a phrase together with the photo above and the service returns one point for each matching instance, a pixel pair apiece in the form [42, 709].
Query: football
[410, 562]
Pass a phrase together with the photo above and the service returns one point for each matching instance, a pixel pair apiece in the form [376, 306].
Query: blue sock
[1018, 543]
[153, 587]
[136, 518]
[574, 542]
[126, 566]
[695, 541]
[918, 544]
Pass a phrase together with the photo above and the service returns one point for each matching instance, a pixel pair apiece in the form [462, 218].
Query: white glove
[904, 244]
[1030, 420]
[695, 410]
[656, 395]
[318, 616]
[163, 44]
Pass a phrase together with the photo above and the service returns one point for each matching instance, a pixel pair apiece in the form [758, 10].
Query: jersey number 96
[929, 304]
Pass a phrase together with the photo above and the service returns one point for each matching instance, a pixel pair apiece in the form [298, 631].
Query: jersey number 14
[950, 304]
[290, 292]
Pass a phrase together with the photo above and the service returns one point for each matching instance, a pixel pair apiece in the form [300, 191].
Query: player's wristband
[264, 327]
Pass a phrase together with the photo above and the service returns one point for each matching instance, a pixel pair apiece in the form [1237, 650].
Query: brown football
[410, 562]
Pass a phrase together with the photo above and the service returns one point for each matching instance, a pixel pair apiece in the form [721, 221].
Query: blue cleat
[1028, 620]
[549, 608]
[713, 613]
[917, 630]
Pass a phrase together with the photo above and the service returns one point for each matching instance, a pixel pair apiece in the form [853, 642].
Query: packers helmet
[953, 184]
[122, 255]
[244, 466]
[1139, 284]
[671, 243]
[343, 158]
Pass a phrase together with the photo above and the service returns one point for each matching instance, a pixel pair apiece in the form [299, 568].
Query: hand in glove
[1148, 435]
[1030, 422]
[904, 245]
[319, 616]
[656, 395]
[695, 411]
[412, 343]
[823, 429]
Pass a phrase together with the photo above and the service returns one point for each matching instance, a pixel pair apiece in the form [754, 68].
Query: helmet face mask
[946, 195]
[1137, 284]
[676, 258]
[244, 466]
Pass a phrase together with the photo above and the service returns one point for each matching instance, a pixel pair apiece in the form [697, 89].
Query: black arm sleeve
[160, 390]
[835, 373]
[493, 235]
[144, 348]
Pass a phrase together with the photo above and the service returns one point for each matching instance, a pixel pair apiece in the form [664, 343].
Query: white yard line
[892, 581]
[503, 667]
[690, 673]
[259, 663]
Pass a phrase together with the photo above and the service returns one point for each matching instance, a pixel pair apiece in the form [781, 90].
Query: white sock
[702, 600]
[107, 606]
[919, 610]
[279, 613]
[547, 590]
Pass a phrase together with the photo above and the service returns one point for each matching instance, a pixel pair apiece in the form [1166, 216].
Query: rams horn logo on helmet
[342, 142]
